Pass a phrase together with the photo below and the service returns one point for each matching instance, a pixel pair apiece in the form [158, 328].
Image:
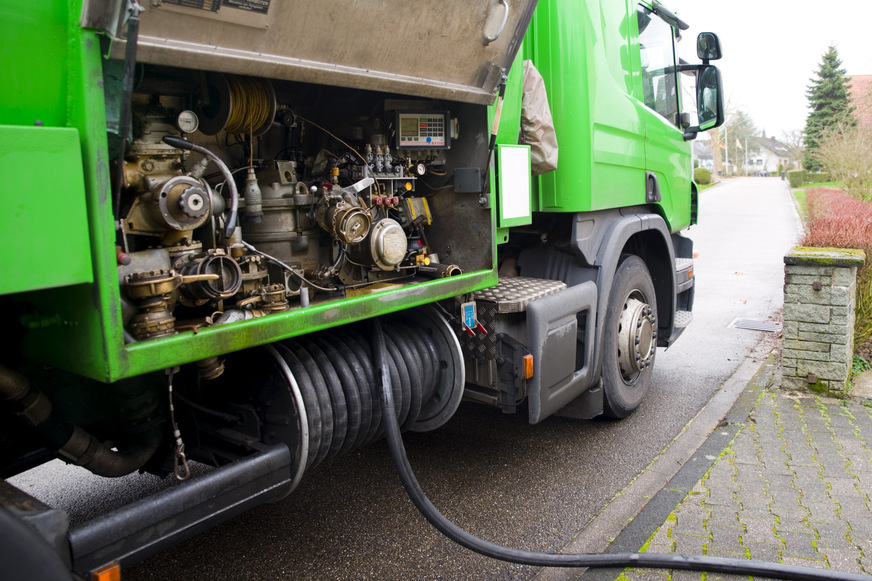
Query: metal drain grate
[755, 325]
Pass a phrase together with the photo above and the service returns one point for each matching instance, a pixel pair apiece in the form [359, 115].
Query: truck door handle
[489, 39]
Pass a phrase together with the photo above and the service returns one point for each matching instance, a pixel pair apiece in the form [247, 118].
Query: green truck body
[211, 201]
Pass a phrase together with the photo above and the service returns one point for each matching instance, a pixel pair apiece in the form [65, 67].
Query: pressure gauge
[187, 121]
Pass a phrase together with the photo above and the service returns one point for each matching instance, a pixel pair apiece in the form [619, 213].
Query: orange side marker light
[108, 573]
[528, 366]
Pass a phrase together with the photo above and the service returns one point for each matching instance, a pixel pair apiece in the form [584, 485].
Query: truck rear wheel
[630, 338]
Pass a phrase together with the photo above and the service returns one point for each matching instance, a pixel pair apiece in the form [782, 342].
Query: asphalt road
[530, 487]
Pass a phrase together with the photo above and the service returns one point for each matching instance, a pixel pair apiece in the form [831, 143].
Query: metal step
[514, 293]
[683, 318]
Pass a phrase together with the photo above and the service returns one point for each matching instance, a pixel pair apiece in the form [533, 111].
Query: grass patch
[859, 365]
[800, 201]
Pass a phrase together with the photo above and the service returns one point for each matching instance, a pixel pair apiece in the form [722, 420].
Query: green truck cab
[208, 200]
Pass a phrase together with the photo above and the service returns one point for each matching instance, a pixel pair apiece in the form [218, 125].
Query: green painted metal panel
[581, 50]
[44, 224]
[35, 62]
[589, 56]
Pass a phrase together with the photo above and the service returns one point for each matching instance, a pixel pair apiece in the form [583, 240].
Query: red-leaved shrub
[837, 220]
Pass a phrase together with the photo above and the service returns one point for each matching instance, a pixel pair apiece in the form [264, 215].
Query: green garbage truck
[230, 191]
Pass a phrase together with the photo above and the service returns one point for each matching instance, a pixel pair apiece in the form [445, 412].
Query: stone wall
[820, 287]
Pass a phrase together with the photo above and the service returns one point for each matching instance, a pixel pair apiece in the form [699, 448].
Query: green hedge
[702, 176]
[797, 177]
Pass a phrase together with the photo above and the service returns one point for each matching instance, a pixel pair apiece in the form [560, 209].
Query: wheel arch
[647, 236]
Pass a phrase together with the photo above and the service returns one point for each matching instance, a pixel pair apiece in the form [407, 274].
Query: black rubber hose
[323, 399]
[364, 359]
[332, 396]
[73, 443]
[313, 407]
[416, 381]
[404, 377]
[328, 356]
[622, 560]
[427, 359]
[365, 377]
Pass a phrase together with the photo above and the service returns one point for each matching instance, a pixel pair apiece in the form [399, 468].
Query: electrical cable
[523, 557]
[252, 104]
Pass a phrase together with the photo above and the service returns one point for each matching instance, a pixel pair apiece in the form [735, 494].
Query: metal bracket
[510, 365]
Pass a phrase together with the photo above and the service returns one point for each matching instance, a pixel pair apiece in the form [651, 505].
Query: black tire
[629, 338]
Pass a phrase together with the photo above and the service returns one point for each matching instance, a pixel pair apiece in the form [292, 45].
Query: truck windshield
[659, 80]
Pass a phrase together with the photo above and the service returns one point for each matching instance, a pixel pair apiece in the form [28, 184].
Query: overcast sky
[773, 48]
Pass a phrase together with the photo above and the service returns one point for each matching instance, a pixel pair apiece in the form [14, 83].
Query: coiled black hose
[489, 549]
[335, 373]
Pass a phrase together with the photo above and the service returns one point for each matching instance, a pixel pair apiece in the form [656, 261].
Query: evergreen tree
[829, 104]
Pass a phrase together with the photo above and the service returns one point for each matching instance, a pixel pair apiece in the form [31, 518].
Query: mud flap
[560, 336]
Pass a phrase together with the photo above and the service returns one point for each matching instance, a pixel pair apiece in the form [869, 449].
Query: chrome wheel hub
[637, 334]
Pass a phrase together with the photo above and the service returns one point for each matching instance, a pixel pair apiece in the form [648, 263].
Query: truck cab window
[659, 80]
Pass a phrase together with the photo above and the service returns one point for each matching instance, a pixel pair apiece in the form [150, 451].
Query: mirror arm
[670, 17]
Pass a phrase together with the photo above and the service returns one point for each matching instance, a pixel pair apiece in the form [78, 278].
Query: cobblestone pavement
[793, 486]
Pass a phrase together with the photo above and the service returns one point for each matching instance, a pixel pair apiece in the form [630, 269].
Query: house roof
[860, 91]
[775, 146]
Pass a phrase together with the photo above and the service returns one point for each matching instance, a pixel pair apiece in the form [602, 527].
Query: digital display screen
[408, 126]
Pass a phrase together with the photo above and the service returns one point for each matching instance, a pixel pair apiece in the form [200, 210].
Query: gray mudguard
[553, 339]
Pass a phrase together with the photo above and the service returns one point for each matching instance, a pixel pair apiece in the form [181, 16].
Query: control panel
[423, 130]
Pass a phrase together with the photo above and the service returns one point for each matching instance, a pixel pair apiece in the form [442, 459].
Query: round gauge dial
[187, 121]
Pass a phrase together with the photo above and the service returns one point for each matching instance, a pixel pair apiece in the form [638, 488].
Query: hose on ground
[523, 557]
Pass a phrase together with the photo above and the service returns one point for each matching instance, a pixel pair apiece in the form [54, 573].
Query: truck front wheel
[630, 338]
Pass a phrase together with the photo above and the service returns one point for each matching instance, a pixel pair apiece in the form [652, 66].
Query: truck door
[665, 149]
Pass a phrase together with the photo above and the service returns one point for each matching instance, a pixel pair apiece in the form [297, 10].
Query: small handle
[490, 39]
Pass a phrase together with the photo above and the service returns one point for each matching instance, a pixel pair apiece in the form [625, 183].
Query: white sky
[772, 50]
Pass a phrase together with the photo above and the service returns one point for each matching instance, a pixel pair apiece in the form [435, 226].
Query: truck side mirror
[709, 101]
[708, 47]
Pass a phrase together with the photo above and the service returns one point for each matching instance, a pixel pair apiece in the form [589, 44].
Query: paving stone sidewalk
[793, 486]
